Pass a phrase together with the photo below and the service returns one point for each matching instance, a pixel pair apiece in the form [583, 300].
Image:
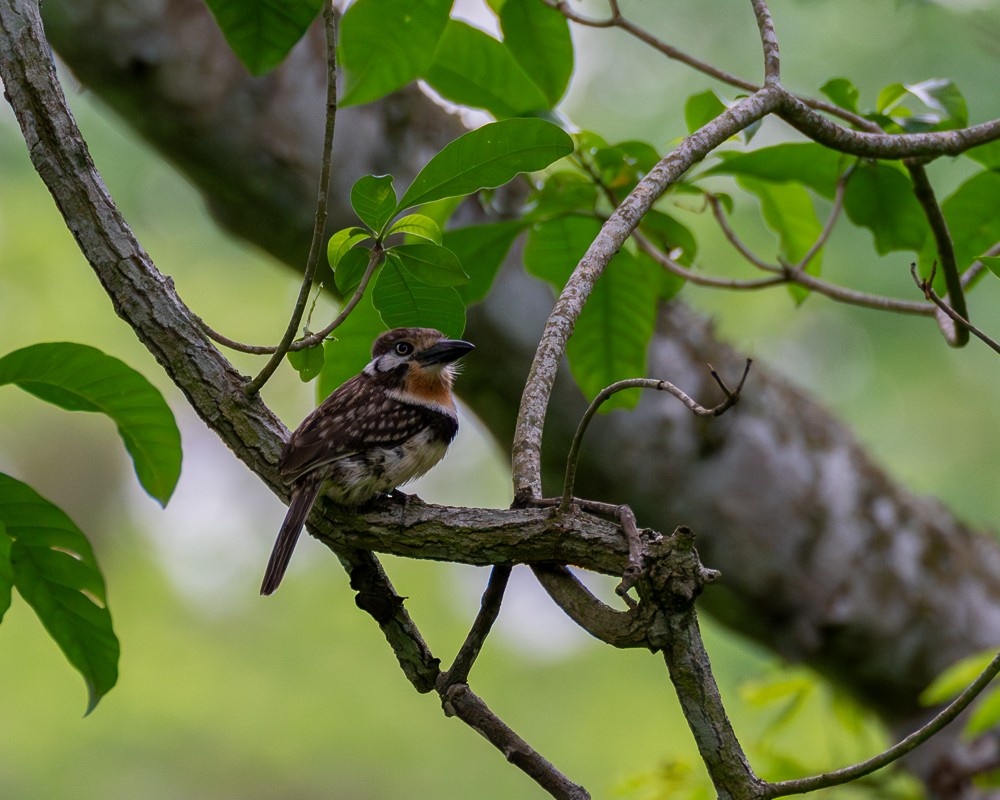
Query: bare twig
[489, 609]
[831, 220]
[926, 285]
[322, 201]
[526, 453]
[732, 397]
[894, 753]
[733, 238]
[955, 335]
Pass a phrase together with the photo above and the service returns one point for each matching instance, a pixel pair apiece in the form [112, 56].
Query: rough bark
[824, 558]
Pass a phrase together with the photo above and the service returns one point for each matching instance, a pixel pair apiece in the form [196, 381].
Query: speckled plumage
[385, 426]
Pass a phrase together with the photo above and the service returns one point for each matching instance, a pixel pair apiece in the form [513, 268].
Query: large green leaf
[488, 157]
[81, 378]
[385, 44]
[842, 92]
[261, 32]
[538, 38]
[880, 197]
[431, 264]
[986, 154]
[471, 68]
[788, 211]
[796, 162]
[702, 108]
[481, 249]
[973, 216]
[611, 336]
[374, 200]
[405, 302]
[55, 571]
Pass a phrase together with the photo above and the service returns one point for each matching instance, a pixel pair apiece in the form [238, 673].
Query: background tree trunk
[824, 559]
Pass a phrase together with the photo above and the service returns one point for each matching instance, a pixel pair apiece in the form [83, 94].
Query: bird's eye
[403, 348]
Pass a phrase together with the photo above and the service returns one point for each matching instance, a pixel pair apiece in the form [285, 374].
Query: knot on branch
[673, 574]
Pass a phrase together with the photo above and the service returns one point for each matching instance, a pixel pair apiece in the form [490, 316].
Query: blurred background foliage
[225, 695]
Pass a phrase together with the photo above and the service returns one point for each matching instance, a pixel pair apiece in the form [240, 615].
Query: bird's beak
[445, 351]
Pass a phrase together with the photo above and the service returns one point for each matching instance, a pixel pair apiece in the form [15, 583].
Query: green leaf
[262, 32]
[347, 354]
[55, 571]
[986, 154]
[307, 362]
[374, 200]
[6, 570]
[431, 264]
[806, 163]
[385, 44]
[81, 378]
[405, 302]
[350, 269]
[538, 38]
[610, 339]
[788, 211]
[953, 681]
[481, 249]
[880, 197]
[973, 215]
[985, 714]
[941, 97]
[842, 93]
[417, 225]
[622, 166]
[670, 236]
[488, 157]
[992, 263]
[471, 68]
[702, 108]
[342, 241]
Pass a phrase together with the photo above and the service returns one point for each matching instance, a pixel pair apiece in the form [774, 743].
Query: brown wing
[355, 418]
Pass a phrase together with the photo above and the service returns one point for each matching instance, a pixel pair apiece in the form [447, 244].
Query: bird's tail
[298, 509]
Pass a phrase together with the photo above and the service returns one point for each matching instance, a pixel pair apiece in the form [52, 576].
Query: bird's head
[421, 360]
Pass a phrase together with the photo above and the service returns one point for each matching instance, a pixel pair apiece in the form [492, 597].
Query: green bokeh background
[226, 695]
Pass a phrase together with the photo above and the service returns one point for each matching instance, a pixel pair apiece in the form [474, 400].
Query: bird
[387, 425]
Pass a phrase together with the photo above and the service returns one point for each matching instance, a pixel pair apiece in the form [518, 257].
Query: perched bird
[385, 426]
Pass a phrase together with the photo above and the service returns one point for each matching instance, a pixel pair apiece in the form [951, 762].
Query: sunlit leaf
[81, 378]
[488, 157]
[343, 241]
[985, 715]
[385, 44]
[417, 225]
[471, 68]
[261, 32]
[55, 571]
[373, 199]
[953, 681]
[842, 92]
[538, 38]
[702, 108]
[405, 302]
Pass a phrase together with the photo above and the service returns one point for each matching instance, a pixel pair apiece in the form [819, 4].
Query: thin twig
[322, 201]
[924, 192]
[732, 397]
[926, 285]
[831, 220]
[733, 238]
[897, 751]
[489, 609]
